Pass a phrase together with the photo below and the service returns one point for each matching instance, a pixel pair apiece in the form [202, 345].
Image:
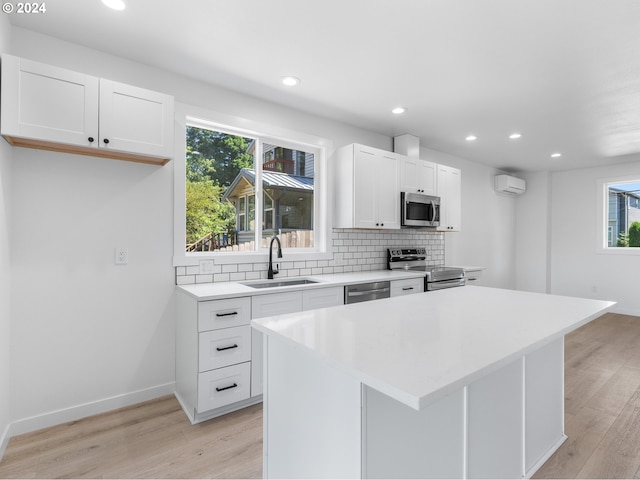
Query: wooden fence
[218, 242]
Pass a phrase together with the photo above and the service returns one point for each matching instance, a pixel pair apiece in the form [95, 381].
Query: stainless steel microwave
[419, 210]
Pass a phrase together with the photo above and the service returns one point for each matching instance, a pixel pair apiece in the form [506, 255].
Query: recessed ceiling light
[399, 110]
[515, 136]
[471, 138]
[290, 81]
[115, 4]
[556, 155]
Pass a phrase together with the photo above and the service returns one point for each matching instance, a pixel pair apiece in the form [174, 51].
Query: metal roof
[272, 180]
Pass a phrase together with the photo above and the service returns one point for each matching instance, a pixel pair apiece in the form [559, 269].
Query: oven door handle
[457, 282]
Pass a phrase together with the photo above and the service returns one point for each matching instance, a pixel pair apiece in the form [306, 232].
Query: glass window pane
[219, 172]
[623, 215]
[288, 179]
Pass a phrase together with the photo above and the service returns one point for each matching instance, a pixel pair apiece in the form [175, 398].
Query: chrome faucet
[271, 271]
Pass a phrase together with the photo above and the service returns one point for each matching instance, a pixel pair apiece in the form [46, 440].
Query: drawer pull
[220, 349]
[407, 288]
[228, 314]
[226, 388]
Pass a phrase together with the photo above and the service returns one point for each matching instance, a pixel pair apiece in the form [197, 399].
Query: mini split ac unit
[510, 185]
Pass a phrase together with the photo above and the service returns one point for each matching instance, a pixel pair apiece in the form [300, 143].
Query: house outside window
[622, 214]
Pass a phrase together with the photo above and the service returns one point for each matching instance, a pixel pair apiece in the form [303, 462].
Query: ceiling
[563, 73]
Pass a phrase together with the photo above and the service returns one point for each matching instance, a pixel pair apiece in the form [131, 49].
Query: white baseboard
[77, 412]
[4, 441]
[626, 311]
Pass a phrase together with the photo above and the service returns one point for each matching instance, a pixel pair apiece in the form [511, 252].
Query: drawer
[224, 313]
[407, 286]
[217, 388]
[224, 347]
[322, 297]
[473, 276]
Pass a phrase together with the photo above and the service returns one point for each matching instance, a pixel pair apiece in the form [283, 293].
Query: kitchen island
[458, 383]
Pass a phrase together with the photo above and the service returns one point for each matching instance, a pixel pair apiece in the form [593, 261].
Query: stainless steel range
[415, 259]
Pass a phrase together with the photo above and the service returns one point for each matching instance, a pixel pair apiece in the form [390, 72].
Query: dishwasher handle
[368, 292]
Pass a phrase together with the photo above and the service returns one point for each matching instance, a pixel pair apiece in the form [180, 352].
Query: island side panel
[495, 433]
[400, 442]
[544, 404]
[312, 415]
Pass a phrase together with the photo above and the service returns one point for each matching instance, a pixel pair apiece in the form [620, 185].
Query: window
[621, 215]
[233, 178]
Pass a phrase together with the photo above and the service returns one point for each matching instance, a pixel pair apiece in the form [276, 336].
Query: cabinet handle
[106, 140]
[226, 388]
[90, 139]
[226, 314]
[407, 288]
[220, 349]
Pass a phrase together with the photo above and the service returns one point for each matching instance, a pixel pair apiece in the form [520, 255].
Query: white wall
[488, 223]
[5, 271]
[575, 266]
[533, 233]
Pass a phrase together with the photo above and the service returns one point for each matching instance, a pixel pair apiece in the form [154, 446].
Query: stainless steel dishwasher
[363, 292]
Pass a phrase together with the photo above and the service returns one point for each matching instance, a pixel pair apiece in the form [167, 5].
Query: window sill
[220, 258]
[619, 251]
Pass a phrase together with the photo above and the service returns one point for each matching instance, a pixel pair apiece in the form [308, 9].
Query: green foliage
[216, 156]
[634, 234]
[206, 213]
[623, 240]
[214, 159]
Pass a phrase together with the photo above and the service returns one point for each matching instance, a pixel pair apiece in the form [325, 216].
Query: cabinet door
[322, 297]
[418, 176]
[266, 306]
[449, 191]
[135, 120]
[48, 104]
[364, 188]
[387, 194]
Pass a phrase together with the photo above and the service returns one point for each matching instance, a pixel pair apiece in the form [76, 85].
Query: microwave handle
[433, 211]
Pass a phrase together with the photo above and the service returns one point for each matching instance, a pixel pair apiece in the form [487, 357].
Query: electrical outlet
[122, 256]
[206, 267]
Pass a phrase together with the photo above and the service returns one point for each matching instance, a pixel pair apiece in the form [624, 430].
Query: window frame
[602, 236]
[264, 133]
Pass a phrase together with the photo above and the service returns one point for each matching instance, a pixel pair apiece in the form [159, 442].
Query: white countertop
[467, 268]
[419, 348]
[219, 290]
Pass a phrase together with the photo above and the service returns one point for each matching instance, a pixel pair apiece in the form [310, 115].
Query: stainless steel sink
[278, 283]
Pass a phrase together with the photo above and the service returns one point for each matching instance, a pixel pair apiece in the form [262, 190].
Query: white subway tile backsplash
[354, 251]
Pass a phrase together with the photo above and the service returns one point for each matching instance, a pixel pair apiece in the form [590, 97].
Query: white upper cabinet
[367, 181]
[56, 109]
[450, 193]
[418, 176]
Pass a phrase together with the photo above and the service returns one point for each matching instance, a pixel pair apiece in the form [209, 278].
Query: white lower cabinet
[213, 356]
[218, 354]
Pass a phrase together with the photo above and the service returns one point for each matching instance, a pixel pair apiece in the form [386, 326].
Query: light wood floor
[155, 439]
[150, 440]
